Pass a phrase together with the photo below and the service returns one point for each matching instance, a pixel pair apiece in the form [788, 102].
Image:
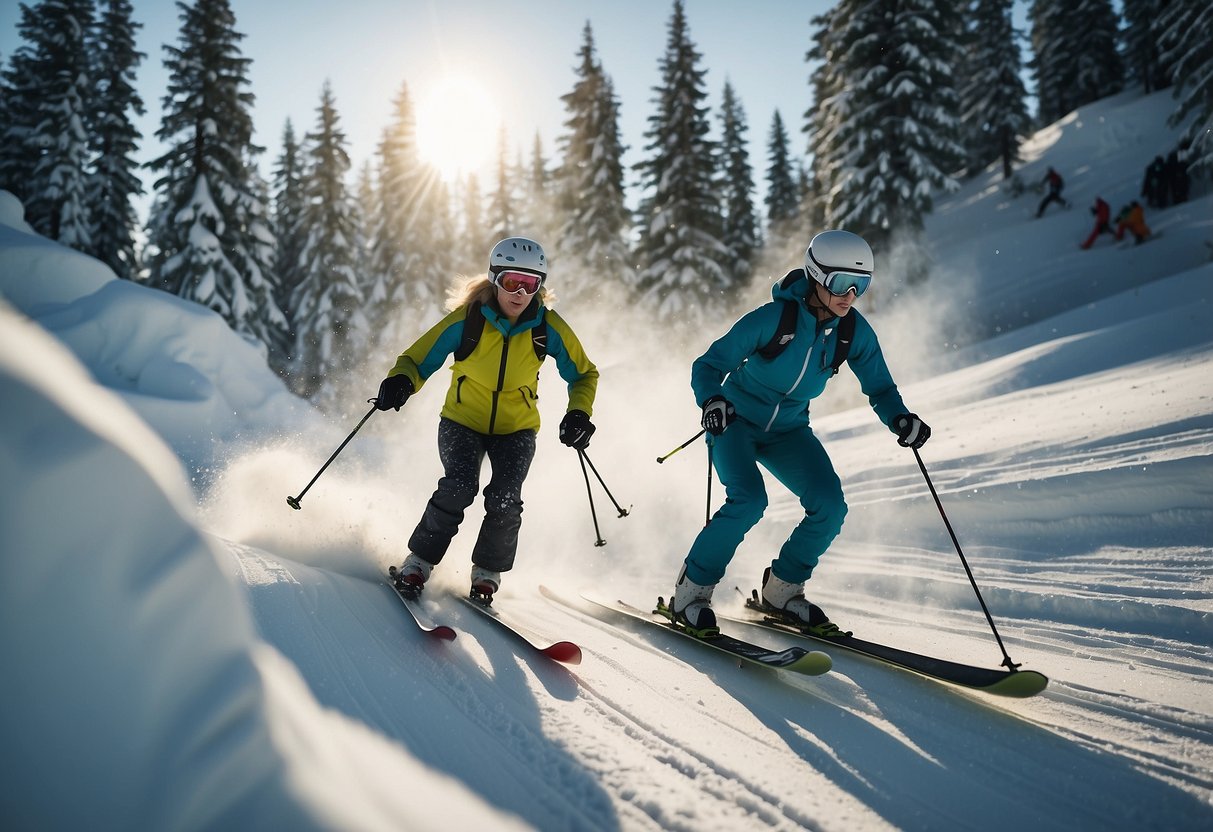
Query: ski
[411, 601]
[793, 659]
[565, 652]
[1018, 684]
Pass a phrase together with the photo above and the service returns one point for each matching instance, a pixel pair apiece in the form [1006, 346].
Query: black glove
[912, 432]
[394, 391]
[576, 429]
[718, 414]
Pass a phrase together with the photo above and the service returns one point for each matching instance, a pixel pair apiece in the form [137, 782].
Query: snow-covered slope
[1072, 402]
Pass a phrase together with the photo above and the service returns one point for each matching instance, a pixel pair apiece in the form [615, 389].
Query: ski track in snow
[650, 721]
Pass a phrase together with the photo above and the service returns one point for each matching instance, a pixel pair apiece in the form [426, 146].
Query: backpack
[473, 326]
[786, 330]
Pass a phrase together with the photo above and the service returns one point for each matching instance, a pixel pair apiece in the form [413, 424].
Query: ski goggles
[512, 282]
[839, 281]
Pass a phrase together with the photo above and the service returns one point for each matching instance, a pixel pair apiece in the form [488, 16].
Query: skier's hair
[465, 290]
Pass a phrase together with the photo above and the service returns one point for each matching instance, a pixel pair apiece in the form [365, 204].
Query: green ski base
[793, 659]
[1018, 684]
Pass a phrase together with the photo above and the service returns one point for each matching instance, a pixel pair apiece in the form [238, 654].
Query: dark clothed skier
[1177, 173]
[1055, 183]
[490, 407]
[1155, 189]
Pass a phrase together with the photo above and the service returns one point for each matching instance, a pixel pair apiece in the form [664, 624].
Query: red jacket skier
[1102, 212]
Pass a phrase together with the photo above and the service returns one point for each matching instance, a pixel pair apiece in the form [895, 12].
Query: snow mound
[178, 364]
[36, 273]
[12, 213]
[136, 685]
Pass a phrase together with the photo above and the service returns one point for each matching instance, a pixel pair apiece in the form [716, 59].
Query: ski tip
[1019, 685]
[443, 632]
[814, 663]
[565, 652]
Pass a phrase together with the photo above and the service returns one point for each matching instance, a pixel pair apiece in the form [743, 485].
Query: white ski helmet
[840, 261]
[518, 254]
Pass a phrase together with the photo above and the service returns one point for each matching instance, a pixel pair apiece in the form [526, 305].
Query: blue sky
[521, 54]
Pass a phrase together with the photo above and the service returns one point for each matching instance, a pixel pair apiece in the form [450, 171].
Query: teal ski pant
[797, 459]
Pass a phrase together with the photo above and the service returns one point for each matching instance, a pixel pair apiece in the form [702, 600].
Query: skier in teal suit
[755, 410]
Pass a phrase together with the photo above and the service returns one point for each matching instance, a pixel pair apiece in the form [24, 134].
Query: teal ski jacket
[775, 394]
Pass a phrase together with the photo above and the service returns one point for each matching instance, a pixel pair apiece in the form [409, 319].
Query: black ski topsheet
[562, 651]
[1001, 682]
[412, 603]
[794, 659]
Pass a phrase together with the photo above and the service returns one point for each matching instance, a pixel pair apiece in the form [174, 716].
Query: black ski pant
[1052, 196]
[462, 451]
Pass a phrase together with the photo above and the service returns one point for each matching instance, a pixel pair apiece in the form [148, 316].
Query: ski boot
[485, 582]
[690, 608]
[410, 578]
[786, 602]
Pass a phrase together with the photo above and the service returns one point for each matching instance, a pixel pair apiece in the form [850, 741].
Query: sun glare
[456, 126]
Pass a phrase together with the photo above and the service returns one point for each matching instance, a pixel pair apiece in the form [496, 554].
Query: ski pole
[662, 459]
[293, 502]
[708, 519]
[623, 512]
[1006, 659]
[597, 534]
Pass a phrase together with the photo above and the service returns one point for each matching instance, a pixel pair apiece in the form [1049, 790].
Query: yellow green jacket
[495, 389]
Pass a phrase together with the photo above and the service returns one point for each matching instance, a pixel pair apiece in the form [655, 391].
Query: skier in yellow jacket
[499, 331]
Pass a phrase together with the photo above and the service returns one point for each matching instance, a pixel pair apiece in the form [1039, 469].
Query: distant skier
[1103, 213]
[755, 410]
[1177, 172]
[1132, 218]
[1155, 189]
[1055, 183]
[490, 406]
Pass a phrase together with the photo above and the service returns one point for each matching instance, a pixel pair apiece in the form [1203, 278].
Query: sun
[456, 126]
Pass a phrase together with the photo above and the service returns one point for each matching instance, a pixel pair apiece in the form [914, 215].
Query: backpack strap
[786, 330]
[473, 327]
[846, 334]
[539, 339]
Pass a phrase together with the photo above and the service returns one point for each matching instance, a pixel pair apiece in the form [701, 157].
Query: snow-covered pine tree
[209, 237]
[502, 220]
[820, 119]
[783, 198]
[1143, 42]
[681, 250]
[1075, 56]
[286, 186]
[113, 182]
[365, 198]
[331, 328]
[368, 214]
[593, 244]
[6, 118]
[437, 259]
[537, 212]
[403, 288]
[740, 232]
[890, 138]
[474, 243]
[1187, 41]
[56, 198]
[19, 84]
[994, 110]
